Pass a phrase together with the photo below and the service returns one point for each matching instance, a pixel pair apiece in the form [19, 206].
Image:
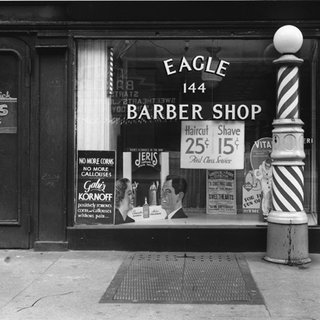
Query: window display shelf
[196, 221]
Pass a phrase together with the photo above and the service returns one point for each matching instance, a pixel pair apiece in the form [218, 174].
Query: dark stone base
[197, 239]
[50, 246]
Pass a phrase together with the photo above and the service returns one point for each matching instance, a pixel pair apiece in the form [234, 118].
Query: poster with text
[95, 187]
[252, 188]
[212, 145]
[221, 192]
[146, 168]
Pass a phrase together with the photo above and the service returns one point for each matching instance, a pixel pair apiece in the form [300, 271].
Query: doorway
[14, 144]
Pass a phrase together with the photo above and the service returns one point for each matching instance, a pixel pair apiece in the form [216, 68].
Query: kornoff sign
[95, 187]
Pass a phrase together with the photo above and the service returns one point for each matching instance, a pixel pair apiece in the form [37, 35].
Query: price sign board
[212, 145]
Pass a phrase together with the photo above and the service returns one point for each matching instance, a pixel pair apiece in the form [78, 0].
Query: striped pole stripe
[288, 94]
[288, 183]
[288, 180]
[110, 71]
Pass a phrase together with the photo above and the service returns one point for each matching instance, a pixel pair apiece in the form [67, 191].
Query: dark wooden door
[14, 144]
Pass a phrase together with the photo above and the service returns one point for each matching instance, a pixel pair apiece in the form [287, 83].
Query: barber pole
[288, 186]
[287, 239]
[288, 93]
[288, 195]
[110, 72]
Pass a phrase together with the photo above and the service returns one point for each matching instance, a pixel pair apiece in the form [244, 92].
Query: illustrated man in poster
[172, 195]
[264, 175]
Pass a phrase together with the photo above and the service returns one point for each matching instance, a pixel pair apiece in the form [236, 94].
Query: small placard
[221, 192]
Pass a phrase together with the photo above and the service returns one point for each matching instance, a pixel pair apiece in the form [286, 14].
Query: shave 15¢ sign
[212, 145]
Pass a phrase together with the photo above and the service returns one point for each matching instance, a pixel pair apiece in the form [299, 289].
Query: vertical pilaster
[52, 149]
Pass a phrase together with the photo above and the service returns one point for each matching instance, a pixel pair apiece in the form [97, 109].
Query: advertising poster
[212, 145]
[146, 169]
[221, 192]
[146, 176]
[251, 194]
[259, 174]
[95, 187]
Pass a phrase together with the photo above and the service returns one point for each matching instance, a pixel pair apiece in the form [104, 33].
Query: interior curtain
[93, 103]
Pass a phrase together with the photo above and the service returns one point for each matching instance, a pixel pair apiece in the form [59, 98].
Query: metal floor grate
[179, 278]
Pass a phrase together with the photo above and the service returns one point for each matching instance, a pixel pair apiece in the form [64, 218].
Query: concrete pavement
[69, 285]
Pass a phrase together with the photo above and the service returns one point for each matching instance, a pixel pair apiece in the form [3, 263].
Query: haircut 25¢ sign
[212, 145]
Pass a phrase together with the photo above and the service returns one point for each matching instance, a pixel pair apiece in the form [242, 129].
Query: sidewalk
[69, 285]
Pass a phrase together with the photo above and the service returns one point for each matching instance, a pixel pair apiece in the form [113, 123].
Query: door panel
[14, 144]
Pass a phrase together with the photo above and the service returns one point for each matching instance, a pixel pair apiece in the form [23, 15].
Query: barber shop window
[180, 131]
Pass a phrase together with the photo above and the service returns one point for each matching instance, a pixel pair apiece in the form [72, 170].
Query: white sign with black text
[212, 145]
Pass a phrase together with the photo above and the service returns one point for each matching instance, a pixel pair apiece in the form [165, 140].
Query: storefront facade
[188, 91]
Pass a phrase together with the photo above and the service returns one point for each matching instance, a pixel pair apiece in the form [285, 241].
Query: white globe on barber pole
[288, 39]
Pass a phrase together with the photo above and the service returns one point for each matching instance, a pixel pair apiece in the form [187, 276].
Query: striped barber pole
[288, 94]
[288, 183]
[110, 71]
[287, 237]
[288, 180]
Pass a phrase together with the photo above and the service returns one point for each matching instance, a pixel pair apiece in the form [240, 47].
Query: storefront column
[287, 237]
